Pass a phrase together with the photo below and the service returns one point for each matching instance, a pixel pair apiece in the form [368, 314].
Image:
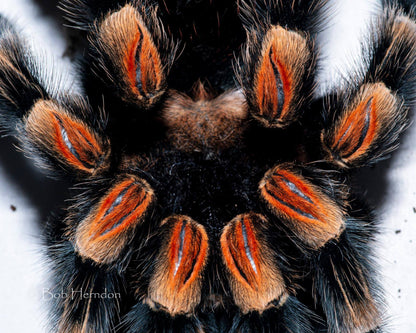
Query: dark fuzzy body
[194, 225]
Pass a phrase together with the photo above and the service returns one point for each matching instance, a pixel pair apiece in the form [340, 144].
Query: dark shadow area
[44, 194]
[372, 183]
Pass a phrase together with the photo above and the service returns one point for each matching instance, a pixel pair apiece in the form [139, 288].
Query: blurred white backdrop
[26, 196]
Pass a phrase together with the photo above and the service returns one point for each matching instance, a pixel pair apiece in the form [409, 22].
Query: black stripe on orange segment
[66, 137]
[105, 231]
[176, 283]
[314, 216]
[255, 280]
[81, 158]
[279, 85]
[273, 87]
[141, 58]
[357, 130]
[281, 71]
[240, 251]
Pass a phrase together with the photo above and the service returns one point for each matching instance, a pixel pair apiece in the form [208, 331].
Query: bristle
[256, 282]
[277, 66]
[353, 141]
[176, 284]
[300, 15]
[312, 215]
[141, 319]
[205, 124]
[130, 56]
[345, 288]
[105, 232]
[20, 82]
[83, 297]
[293, 316]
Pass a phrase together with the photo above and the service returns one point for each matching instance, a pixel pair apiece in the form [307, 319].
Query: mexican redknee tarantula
[211, 181]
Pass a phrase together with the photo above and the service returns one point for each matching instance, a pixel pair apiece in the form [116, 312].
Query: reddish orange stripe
[357, 130]
[240, 250]
[268, 90]
[300, 203]
[188, 247]
[130, 61]
[132, 205]
[81, 139]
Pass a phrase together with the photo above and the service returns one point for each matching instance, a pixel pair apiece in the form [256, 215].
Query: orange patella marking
[357, 130]
[103, 234]
[288, 193]
[75, 142]
[255, 280]
[124, 205]
[142, 62]
[240, 250]
[176, 283]
[187, 252]
[310, 213]
[274, 86]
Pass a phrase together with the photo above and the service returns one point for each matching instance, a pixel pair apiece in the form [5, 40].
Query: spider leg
[169, 282]
[365, 117]
[277, 73]
[260, 286]
[89, 247]
[277, 68]
[320, 216]
[362, 123]
[90, 251]
[58, 131]
[127, 62]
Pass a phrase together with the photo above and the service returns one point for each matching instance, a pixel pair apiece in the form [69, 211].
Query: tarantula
[211, 192]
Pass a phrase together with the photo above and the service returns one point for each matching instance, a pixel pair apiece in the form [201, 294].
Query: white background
[390, 187]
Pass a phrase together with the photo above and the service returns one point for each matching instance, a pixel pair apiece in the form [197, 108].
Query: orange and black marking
[279, 76]
[127, 42]
[176, 283]
[255, 280]
[67, 138]
[361, 125]
[312, 215]
[102, 235]
[273, 89]
[357, 131]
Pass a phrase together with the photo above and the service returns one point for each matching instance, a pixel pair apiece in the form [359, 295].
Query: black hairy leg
[211, 184]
